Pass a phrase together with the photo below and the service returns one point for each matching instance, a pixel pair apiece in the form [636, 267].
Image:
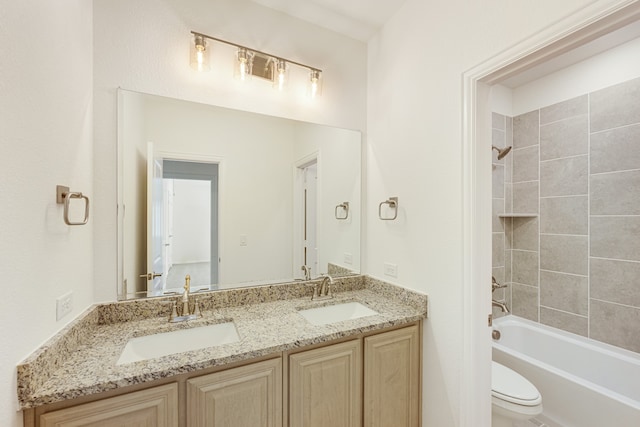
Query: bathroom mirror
[231, 198]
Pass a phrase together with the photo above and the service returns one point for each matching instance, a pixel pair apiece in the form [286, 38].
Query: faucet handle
[173, 310]
[495, 285]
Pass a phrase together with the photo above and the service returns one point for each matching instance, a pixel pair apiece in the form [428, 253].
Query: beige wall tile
[525, 234]
[564, 215]
[615, 324]
[525, 164]
[615, 237]
[525, 197]
[564, 292]
[565, 321]
[524, 267]
[524, 301]
[615, 149]
[565, 138]
[565, 254]
[526, 129]
[615, 106]
[565, 109]
[615, 281]
[616, 193]
[564, 177]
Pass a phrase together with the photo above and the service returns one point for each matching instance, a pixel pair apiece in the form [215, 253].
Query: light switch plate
[390, 269]
[348, 258]
[64, 305]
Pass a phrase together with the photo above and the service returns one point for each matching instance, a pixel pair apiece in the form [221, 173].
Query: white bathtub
[584, 383]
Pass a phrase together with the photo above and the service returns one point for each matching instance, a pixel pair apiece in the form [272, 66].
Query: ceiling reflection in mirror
[231, 198]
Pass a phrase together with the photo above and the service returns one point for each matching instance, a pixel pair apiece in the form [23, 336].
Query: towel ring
[392, 202]
[345, 206]
[64, 196]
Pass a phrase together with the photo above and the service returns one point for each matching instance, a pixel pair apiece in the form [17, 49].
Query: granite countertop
[81, 359]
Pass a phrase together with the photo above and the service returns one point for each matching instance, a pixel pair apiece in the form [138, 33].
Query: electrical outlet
[243, 240]
[348, 258]
[64, 305]
[390, 269]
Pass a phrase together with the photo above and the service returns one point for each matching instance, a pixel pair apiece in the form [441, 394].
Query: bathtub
[584, 383]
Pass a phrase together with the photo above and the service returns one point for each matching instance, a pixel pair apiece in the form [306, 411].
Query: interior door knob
[151, 276]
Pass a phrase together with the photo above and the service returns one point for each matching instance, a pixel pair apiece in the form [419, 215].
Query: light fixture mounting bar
[195, 33]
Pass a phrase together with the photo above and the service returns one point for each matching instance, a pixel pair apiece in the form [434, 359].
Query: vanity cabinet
[373, 381]
[370, 379]
[156, 406]
[249, 395]
[392, 378]
[325, 386]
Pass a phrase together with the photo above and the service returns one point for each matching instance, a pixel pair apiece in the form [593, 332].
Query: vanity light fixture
[251, 62]
[199, 53]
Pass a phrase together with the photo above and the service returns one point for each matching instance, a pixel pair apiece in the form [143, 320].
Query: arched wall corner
[587, 24]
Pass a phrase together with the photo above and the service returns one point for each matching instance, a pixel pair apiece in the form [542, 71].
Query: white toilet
[513, 397]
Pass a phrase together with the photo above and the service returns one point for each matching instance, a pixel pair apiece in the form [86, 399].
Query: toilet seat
[509, 386]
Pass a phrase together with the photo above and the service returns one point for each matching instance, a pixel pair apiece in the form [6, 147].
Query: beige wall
[414, 134]
[46, 139]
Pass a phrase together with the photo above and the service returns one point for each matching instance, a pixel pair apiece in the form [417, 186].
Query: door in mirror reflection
[184, 226]
[307, 177]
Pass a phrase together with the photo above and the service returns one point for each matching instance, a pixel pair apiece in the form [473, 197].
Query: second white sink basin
[336, 313]
[163, 344]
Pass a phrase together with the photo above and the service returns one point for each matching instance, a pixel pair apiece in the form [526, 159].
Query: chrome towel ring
[392, 202]
[64, 196]
[345, 207]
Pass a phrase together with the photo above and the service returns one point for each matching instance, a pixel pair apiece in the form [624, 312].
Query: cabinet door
[325, 386]
[154, 407]
[392, 379]
[248, 396]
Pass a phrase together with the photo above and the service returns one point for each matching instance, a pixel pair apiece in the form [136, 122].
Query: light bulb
[281, 74]
[243, 64]
[243, 69]
[199, 54]
[314, 83]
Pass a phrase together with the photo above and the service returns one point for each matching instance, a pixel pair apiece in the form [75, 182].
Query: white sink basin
[336, 313]
[163, 344]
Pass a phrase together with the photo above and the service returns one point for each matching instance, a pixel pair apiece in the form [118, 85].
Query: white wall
[414, 152]
[144, 46]
[339, 181]
[45, 140]
[606, 69]
[191, 221]
[265, 216]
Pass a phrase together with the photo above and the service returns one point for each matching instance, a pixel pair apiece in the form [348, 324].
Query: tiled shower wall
[572, 260]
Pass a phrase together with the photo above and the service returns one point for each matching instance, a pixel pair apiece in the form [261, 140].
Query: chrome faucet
[307, 272]
[188, 305]
[323, 291]
[502, 304]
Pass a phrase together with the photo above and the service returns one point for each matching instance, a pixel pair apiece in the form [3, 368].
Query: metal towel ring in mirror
[345, 207]
[64, 196]
[392, 202]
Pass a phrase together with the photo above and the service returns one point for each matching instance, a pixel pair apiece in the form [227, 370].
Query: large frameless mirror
[231, 198]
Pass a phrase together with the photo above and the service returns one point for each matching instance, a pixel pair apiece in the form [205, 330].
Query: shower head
[501, 151]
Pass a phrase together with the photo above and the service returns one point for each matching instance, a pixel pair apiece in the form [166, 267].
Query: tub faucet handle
[495, 285]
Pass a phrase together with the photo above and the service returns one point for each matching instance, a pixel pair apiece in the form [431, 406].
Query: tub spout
[502, 305]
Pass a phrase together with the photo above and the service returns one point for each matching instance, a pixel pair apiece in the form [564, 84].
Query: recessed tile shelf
[518, 215]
